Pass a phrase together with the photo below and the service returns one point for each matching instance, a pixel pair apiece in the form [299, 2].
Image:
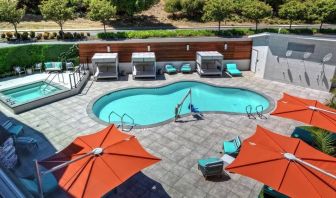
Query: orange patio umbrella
[93, 165]
[307, 111]
[288, 165]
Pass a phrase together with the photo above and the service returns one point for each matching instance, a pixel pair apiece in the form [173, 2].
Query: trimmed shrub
[46, 35]
[3, 35]
[68, 36]
[328, 31]
[17, 35]
[27, 55]
[88, 34]
[9, 35]
[25, 36]
[32, 34]
[39, 36]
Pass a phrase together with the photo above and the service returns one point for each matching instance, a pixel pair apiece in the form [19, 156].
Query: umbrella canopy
[288, 165]
[99, 162]
[308, 111]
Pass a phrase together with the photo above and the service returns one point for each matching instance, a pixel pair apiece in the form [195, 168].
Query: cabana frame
[144, 65]
[105, 65]
[209, 63]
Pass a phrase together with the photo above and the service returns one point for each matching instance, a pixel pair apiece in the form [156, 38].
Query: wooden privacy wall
[168, 51]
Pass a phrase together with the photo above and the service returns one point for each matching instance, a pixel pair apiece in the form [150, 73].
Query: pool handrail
[122, 120]
[113, 112]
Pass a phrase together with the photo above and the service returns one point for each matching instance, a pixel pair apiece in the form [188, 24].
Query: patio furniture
[69, 66]
[8, 157]
[170, 69]
[49, 184]
[209, 63]
[27, 143]
[53, 66]
[13, 129]
[105, 65]
[185, 68]
[231, 68]
[303, 135]
[232, 147]
[19, 70]
[311, 112]
[144, 65]
[38, 66]
[212, 166]
[268, 191]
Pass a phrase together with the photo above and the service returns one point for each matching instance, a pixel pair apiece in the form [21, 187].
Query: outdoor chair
[69, 66]
[212, 166]
[185, 68]
[270, 192]
[231, 68]
[8, 157]
[19, 70]
[170, 69]
[49, 184]
[303, 134]
[27, 143]
[53, 66]
[38, 67]
[14, 129]
[232, 147]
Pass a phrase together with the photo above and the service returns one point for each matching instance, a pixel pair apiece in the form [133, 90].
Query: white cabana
[105, 65]
[144, 65]
[209, 63]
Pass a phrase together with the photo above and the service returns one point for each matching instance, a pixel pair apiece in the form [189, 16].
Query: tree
[192, 8]
[101, 10]
[292, 10]
[172, 6]
[256, 10]
[324, 141]
[218, 10]
[320, 10]
[130, 7]
[10, 14]
[57, 11]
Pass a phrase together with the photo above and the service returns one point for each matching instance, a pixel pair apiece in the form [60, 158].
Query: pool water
[148, 106]
[26, 93]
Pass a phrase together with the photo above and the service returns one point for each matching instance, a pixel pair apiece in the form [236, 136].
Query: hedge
[28, 55]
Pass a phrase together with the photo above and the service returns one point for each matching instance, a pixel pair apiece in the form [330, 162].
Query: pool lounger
[231, 68]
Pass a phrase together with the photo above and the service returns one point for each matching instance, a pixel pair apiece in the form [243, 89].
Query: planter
[29, 71]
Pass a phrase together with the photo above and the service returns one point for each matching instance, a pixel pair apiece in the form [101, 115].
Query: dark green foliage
[130, 7]
[27, 55]
[30, 5]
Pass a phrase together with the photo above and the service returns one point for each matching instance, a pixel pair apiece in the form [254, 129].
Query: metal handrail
[73, 74]
[179, 105]
[122, 119]
[48, 84]
[113, 112]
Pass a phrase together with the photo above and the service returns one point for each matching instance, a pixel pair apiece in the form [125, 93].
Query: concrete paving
[178, 144]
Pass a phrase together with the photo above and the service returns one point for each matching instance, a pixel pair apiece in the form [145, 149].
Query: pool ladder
[259, 109]
[122, 119]
[50, 81]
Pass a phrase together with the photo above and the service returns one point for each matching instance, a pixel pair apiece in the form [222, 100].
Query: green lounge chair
[232, 147]
[13, 129]
[303, 134]
[49, 184]
[270, 192]
[185, 68]
[212, 166]
[170, 69]
[232, 69]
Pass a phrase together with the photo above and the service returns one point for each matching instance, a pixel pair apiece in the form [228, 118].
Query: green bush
[32, 34]
[328, 31]
[39, 36]
[27, 55]
[3, 35]
[25, 36]
[46, 35]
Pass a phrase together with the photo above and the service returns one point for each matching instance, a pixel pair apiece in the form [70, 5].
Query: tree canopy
[292, 10]
[10, 14]
[218, 10]
[101, 10]
[256, 10]
[57, 11]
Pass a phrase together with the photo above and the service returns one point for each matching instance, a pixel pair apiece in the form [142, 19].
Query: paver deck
[179, 144]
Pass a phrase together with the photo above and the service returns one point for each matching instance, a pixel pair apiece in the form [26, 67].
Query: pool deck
[178, 144]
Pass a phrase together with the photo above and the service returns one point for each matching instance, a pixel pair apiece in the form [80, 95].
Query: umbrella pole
[290, 156]
[319, 109]
[39, 179]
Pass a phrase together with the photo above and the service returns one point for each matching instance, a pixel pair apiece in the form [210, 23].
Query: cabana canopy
[209, 63]
[106, 65]
[144, 64]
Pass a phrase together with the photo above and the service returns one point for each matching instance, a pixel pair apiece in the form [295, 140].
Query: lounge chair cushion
[204, 162]
[232, 146]
[12, 128]
[186, 68]
[232, 69]
[49, 184]
[58, 65]
[170, 68]
[48, 65]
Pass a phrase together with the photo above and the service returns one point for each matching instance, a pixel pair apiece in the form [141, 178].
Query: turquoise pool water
[149, 106]
[26, 93]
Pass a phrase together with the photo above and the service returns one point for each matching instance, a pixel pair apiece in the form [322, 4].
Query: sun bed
[49, 184]
[209, 63]
[232, 147]
[53, 66]
[144, 65]
[212, 166]
[170, 69]
[106, 65]
[231, 68]
[185, 68]
[13, 129]
[270, 192]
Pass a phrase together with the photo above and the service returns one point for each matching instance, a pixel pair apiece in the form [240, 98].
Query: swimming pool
[26, 93]
[151, 106]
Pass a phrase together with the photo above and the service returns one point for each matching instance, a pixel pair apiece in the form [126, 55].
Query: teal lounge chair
[232, 147]
[49, 184]
[212, 166]
[232, 69]
[13, 129]
[185, 68]
[270, 192]
[303, 134]
[170, 69]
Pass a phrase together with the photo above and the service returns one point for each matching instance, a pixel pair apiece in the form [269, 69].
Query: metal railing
[179, 105]
[77, 76]
[122, 121]
[48, 83]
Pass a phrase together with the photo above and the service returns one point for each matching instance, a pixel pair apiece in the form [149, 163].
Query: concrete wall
[273, 64]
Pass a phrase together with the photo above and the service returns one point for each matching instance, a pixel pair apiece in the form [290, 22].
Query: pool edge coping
[91, 114]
